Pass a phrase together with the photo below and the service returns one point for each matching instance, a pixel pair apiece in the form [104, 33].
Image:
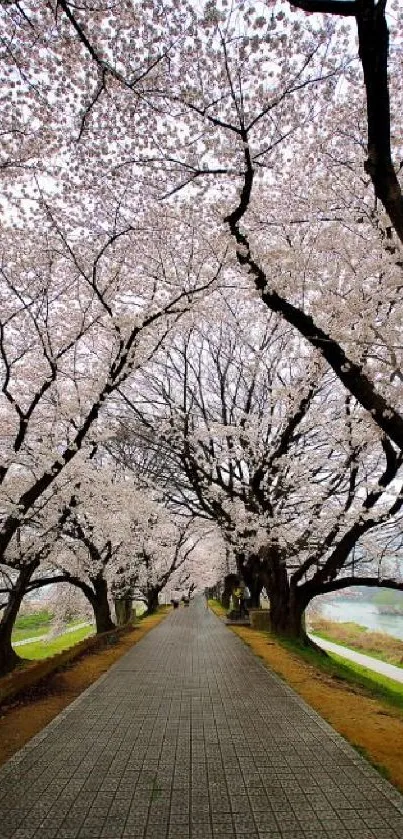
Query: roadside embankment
[366, 709]
[359, 638]
[51, 685]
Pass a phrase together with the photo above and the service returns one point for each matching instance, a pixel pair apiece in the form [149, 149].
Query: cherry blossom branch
[119, 370]
[373, 39]
[370, 582]
[349, 373]
[363, 523]
[345, 8]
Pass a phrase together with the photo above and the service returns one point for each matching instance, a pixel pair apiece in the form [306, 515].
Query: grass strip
[34, 620]
[358, 638]
[376, 685]
[37, 626]
[44, 649]
[22, 634]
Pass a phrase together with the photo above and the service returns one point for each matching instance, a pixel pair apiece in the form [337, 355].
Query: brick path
[189, 737]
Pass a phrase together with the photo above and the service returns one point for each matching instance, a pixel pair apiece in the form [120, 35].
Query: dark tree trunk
[225, 599]
[255, 587]
[287, 615]
[123, 609]
[152, 600]
[250, 569]
[8, 657]
[229, 584]
[100, 604]
[287, 602]
[254, 600]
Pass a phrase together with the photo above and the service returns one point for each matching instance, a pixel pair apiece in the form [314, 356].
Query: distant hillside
[378, 596]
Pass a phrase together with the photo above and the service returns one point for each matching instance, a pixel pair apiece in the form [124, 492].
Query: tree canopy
[200, 291]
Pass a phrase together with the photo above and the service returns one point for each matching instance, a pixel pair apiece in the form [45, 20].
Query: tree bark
[100, 604]
[250, 570]
[123, 610]
[373, 50]
[252, 574]
[287, 601]
[152, 600]
[8, 657]
[287, 614]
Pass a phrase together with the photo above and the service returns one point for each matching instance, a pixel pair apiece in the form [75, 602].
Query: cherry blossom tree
[85, 564]
[67, 603]
[207, 564]
[162, 546]
[263, 443]
[373, 50]
[120, 542]
[210, 96]
[255, 133]
[73, 329]
[24, 567]
[144, 156]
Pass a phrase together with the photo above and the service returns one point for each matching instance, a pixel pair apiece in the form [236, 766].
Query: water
[344, 611]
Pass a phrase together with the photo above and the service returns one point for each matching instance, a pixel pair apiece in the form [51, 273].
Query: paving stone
[265, 821]
[188, 736]
[387, 834]
[23, 834]
[204, 832]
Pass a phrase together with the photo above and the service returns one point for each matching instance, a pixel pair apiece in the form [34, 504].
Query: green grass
[217, 607]
[362, 640]
[34, 620]
[377, 686]
[22, 634]
[44, 649]
[35, 631]
[357, 649]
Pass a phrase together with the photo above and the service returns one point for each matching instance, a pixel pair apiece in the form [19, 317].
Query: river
[359, 611]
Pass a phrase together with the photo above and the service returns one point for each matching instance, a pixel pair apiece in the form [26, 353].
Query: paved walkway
[189, 737]
[382, 667]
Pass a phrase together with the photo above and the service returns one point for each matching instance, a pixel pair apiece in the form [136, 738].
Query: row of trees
[72, 331]
[112, 542]
[201, 275]
[245, 429]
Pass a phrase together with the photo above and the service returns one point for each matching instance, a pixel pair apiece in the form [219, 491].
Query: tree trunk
[225, 598]
[100, 605]
[8, 657]
[287, 602]
[250, 569]
[287, 615]
[123, 610]
[229, 584]
[255, 587]
[152, 600]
